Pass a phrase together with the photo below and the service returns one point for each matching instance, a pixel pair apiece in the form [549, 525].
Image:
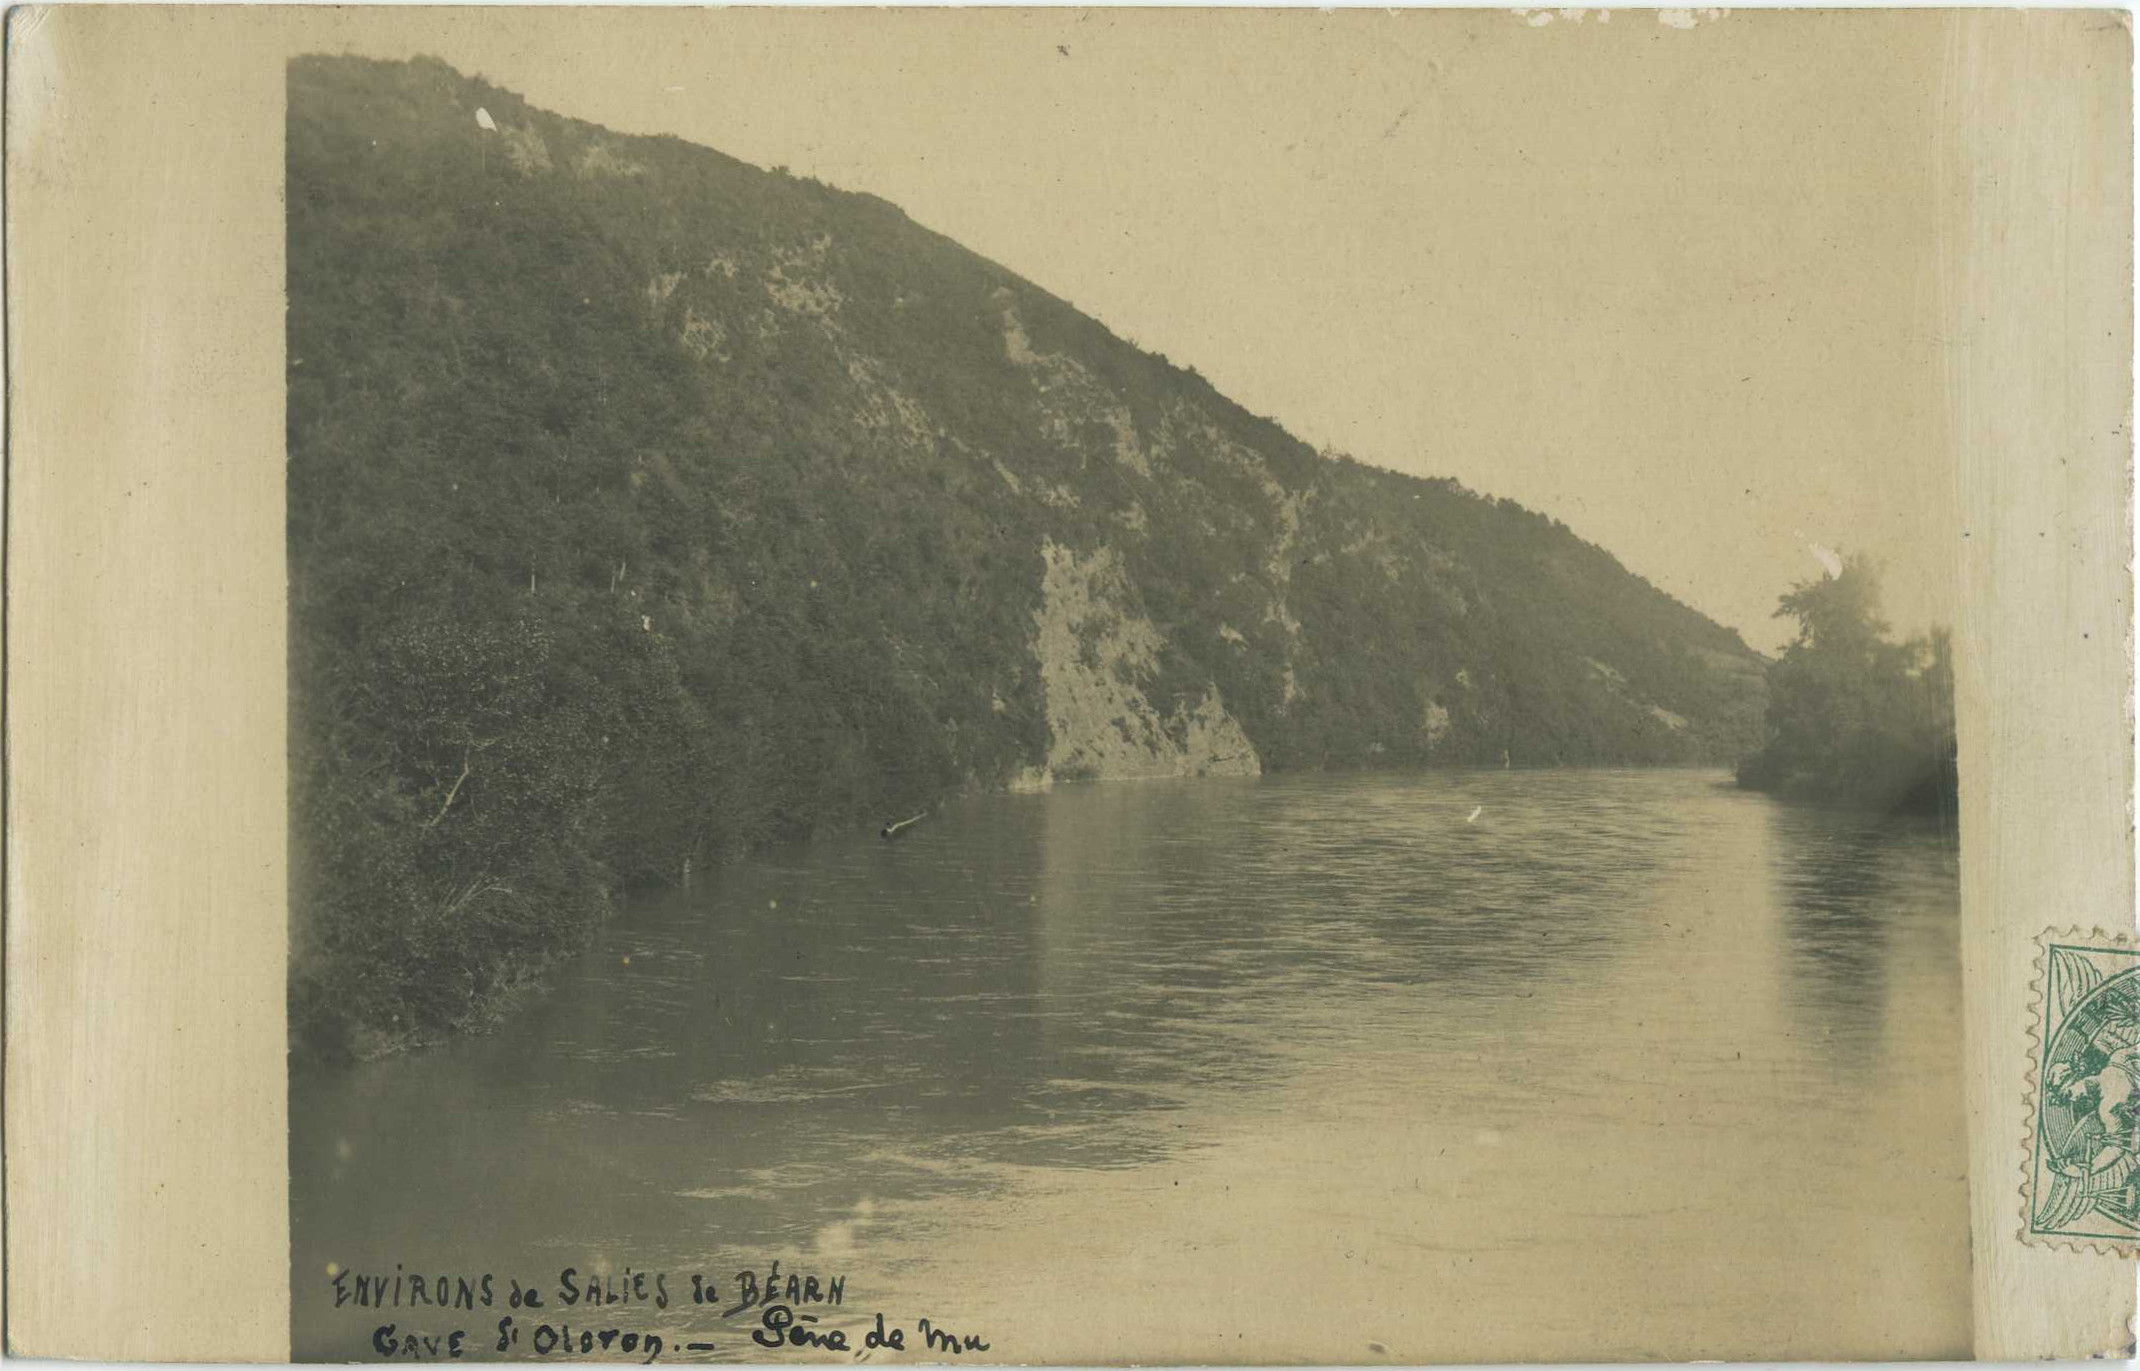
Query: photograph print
[1113, 686]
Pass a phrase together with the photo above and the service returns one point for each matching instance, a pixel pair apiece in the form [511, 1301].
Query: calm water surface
[1629, 1065]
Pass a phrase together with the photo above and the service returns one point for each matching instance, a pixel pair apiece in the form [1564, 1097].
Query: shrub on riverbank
[1853, 715]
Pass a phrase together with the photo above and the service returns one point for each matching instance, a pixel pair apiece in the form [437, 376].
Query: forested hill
[645, 505]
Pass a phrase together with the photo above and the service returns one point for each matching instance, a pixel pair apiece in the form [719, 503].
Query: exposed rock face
[1615, 682]
[1214, 744]
[1094, 653]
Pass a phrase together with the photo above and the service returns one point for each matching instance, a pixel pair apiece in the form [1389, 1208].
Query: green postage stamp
[2083, 1158]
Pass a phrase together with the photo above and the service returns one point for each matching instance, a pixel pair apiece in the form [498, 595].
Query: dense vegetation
[1853, 715]
[645, 507]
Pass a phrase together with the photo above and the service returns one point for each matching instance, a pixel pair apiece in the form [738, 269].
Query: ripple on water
[1629, 1036]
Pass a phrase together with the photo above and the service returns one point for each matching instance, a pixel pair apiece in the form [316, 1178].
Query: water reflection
[1847, 883]
[1471, 1031]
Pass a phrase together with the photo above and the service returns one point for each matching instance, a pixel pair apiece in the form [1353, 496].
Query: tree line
[1854, 715]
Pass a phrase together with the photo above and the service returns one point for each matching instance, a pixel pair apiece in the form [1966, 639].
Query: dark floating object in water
[892, 830]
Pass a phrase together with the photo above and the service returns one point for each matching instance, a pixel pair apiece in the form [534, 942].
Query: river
[1467, 1066]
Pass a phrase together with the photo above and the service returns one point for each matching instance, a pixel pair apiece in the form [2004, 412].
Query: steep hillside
[645, 506]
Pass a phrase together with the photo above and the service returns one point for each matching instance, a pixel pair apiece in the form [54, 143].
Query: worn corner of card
[2081, 1155]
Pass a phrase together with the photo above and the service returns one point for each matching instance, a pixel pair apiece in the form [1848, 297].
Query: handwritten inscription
[616, 1314]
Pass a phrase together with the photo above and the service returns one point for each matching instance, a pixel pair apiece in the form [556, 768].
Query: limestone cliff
[1094, 655]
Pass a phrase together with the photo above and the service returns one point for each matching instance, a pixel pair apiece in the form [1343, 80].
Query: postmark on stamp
[2082, 1185]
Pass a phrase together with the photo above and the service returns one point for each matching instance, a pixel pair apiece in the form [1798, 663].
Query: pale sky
[1675, 281]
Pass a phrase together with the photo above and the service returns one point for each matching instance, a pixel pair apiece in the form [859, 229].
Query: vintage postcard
[1071, 686]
